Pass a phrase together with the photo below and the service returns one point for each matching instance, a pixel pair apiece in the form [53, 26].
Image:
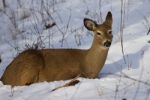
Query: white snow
[21, 25]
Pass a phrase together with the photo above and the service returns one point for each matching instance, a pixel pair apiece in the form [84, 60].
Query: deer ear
[89, 24]
[109, 19]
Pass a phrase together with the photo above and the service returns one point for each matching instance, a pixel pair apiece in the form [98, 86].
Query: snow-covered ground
[22, 25]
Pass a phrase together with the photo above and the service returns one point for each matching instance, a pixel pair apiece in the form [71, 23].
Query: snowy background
[27, 24]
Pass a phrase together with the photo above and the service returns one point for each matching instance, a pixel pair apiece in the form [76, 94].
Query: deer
[38, 65]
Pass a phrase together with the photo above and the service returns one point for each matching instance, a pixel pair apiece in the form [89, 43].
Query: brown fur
[33, 66]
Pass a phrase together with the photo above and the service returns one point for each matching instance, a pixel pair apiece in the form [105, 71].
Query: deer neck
[95, 59]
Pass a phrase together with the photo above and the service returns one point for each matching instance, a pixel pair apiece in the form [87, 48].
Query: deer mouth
[107, 44]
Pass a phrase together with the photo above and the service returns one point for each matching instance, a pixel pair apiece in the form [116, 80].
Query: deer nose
[107, 44]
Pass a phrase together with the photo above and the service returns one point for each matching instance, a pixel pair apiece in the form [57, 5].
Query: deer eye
[109, 32]
[98, 33]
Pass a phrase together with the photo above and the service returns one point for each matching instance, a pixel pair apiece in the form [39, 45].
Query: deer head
[102, 32]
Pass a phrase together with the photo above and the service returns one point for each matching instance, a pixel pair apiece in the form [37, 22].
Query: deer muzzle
[107, 44]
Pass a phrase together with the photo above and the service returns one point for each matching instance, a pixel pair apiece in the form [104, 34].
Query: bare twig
[19, 3]
[78, 38]
[100, 8]
[128, 77]
[64, 33]
[140, 77]
[147, 24]
[118, 85]
[148, 94]
[13, 45]
[0, 59]
[148, 31]
[116, 92]
[73, 82]
[122, 20]
[4, 3]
